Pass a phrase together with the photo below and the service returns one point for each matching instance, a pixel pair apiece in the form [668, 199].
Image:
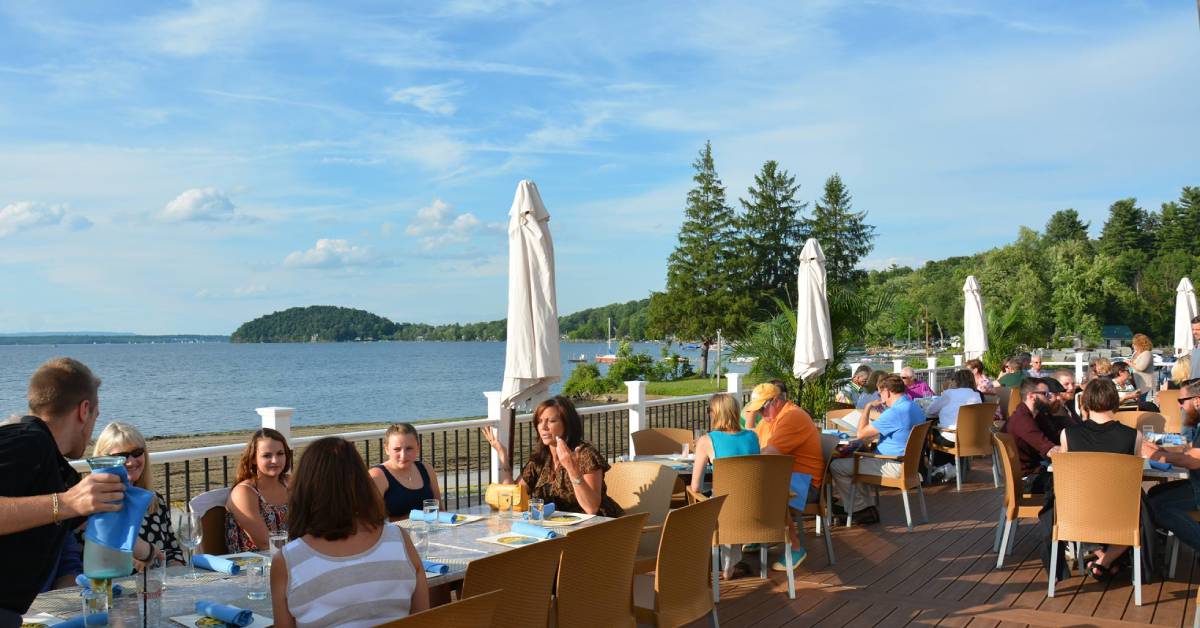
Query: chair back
[595, 577]
[1136, 419]
[756, 490]
[910, 467]
[1014, 400]
[683, 588]
[478, 610]
[642, 487]
[1098, 497]
[973, 436]
[1168, 406]
[210, 505]
[1010, 463]
[830, 415]
[660, 441]
[829, 444]
[526, 577]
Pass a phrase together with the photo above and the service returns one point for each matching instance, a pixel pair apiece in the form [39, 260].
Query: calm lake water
[168, 389]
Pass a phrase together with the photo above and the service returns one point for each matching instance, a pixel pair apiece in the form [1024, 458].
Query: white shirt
[946, 406]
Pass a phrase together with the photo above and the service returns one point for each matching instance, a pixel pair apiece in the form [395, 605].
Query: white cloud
[437, 99]
[465, 8]
[24, 215]
[206, 26]
[434, 149]
[438, 225]
[199, 204]
[553, 135]
[330, 253]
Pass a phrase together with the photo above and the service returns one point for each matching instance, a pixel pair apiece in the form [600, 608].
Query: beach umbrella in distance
[814, 339]
[1185, 310]
[531, 353]
[975, 342]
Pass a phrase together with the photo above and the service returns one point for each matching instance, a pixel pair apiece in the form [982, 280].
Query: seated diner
[403, 480]
[726, 438]
[960, 391]
[258, 503]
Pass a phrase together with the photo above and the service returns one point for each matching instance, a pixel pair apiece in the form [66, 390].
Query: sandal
[1094, 569]
[740, 570]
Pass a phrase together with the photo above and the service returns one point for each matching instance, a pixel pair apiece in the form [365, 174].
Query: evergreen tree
[705, 289]
[844, 235]
[1128, 228]
[1065, 225]
[1180, 222]
[770, 239]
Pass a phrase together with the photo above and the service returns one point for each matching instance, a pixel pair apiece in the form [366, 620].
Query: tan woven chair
[526, 577]
[821, 511]
[1017, 503]
[472, 611]
[660, 441]
[1137, 418]
[643, 487]
[680, 592]
[756, 492]
[1168, 405]
[837, 414]
[1014, 399]
[1098, 499]
[973, 438]
[910, 475]
[595, 577]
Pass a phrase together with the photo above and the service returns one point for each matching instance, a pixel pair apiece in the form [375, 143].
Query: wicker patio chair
[660, 441]
[211, 507]
[478, 610]
[1017, 503]
[822, 510]
[680, 592]
[595, 577]
[1168, 406]
[910, 475]
[973, 438]
[526, 577]
[837, 414]
[643, 487]
[1098, 499]
[1138, 418]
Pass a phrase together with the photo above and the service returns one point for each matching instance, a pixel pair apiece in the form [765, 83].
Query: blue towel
[437, 568]
[118, 530]
[801, 483]
[86, 583]
[99, 619]
[1161, 466]
[216, 563]
[442, 517]
[223, 612]
[530, 529]
[547, 510]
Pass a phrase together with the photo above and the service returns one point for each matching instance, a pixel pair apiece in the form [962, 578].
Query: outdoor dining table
[673, 461]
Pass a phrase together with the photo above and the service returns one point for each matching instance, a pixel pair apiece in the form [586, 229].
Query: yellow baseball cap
[761, 394]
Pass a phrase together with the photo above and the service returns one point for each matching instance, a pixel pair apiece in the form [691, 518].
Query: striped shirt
[366, 589]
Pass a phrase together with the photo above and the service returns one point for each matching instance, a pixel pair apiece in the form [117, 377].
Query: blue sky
[185, 166]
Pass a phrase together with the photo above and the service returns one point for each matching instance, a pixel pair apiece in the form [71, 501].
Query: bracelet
[54, 508]
[576, 482]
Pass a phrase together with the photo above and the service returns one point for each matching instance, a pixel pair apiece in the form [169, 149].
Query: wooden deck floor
[943, 574]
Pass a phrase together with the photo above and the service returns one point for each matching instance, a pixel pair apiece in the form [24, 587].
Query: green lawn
[685, 387]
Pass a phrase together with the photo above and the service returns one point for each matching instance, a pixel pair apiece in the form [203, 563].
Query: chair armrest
[651, 528]
[693, 496]
[867, 454]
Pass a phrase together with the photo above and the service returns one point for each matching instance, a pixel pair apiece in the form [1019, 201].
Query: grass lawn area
[685, 387]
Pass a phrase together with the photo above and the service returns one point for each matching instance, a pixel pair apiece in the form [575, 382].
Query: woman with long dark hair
[258, 503]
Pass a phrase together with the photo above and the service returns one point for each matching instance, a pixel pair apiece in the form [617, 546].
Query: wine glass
[191, 531]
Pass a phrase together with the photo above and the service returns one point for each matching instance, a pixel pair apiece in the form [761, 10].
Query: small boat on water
[577, 358]
[607, 358]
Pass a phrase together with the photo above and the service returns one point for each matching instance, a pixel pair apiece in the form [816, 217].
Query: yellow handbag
[514, 492]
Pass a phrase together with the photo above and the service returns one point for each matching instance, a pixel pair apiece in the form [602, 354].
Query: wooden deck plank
[1173, 597]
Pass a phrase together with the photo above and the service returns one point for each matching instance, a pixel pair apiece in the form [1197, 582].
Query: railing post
[637, 414]
[958, 360]
[931, 364]
[733, 385]
[278, 419]
[1078, 367]
[494, 411]
[897, 364]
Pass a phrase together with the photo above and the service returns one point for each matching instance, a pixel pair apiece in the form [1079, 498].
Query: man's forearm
[18, 514]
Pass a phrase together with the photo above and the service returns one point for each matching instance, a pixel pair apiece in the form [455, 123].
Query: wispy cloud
[437, 225]
[206, 26]
[437, 99]
[26, 215]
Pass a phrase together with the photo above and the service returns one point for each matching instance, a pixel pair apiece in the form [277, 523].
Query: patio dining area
[943, 573]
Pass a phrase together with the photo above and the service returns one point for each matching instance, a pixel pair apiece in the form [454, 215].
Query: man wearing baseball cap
[1172, 503]
[788, 430]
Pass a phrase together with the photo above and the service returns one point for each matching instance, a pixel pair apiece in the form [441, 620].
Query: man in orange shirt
[788, 430]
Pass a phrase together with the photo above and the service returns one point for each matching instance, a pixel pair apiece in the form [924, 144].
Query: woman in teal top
[726, 439]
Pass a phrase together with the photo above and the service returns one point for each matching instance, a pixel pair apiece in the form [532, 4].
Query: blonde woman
[1180, 373]
[123, 439]
[1142, 364]
[726, 439]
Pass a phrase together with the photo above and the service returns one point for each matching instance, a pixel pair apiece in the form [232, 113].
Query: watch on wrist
[576, 481]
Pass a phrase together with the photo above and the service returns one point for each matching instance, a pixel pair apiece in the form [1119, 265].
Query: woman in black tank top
[403, 480]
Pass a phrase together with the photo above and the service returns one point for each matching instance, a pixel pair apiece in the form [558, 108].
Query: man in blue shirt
[899, 416]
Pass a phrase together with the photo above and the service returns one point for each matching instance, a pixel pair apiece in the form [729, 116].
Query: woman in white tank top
[339, 568]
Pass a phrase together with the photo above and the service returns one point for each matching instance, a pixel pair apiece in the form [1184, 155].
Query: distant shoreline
[114, 339]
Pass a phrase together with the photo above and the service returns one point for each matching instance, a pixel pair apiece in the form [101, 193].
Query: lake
[169, 389]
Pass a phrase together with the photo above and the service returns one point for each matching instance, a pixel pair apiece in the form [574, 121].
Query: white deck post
[958, 360]
[931, 364]
[637, 414]
[733, 385]
[897, 364]
[278, 419]
[493, 414]
[1078, 367]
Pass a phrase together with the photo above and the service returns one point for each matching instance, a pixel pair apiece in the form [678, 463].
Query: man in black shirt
[42, 499]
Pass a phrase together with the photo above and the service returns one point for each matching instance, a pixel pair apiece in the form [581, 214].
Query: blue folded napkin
[1161, 466]
[442, 517]
[437, 568]
[534, 530]
[118, 530]
[800, 485]
[547, 510]
[223, 612]
[86, 583]
[99, 619]
[216, 563]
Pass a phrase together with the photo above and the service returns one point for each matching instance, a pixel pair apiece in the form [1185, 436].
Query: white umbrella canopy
[1185, 309]
[975, 342]
[531, 356]
[814, 338]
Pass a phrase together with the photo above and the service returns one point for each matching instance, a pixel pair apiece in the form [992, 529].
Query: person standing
[1195, 361]
[1035, 367]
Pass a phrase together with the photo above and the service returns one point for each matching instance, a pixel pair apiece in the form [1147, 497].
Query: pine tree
[770, 236]
[1065, 225]
[1128, 228]
[1180, 222]
[844, 234]
[705, 285]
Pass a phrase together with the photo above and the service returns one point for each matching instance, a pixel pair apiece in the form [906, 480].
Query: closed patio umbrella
[975, 342]
[531, 355]
[1185, 310]
[814, 339]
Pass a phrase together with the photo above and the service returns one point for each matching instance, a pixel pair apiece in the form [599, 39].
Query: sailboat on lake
[609, 357]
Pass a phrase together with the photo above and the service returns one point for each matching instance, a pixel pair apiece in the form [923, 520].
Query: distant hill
[322, 323]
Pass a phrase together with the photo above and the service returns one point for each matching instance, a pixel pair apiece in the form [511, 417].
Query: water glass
[95, 607]
[1148, 433]
[150, 590]
[257, 574]
[536, 511]
[191, 532]
[430, 507]
[278, 540]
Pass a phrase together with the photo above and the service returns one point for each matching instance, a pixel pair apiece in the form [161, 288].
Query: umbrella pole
[512, 429]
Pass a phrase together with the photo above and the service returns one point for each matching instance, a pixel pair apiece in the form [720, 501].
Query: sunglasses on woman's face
[132, 453]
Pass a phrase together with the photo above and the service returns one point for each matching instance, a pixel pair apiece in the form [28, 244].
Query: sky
[183, 167]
